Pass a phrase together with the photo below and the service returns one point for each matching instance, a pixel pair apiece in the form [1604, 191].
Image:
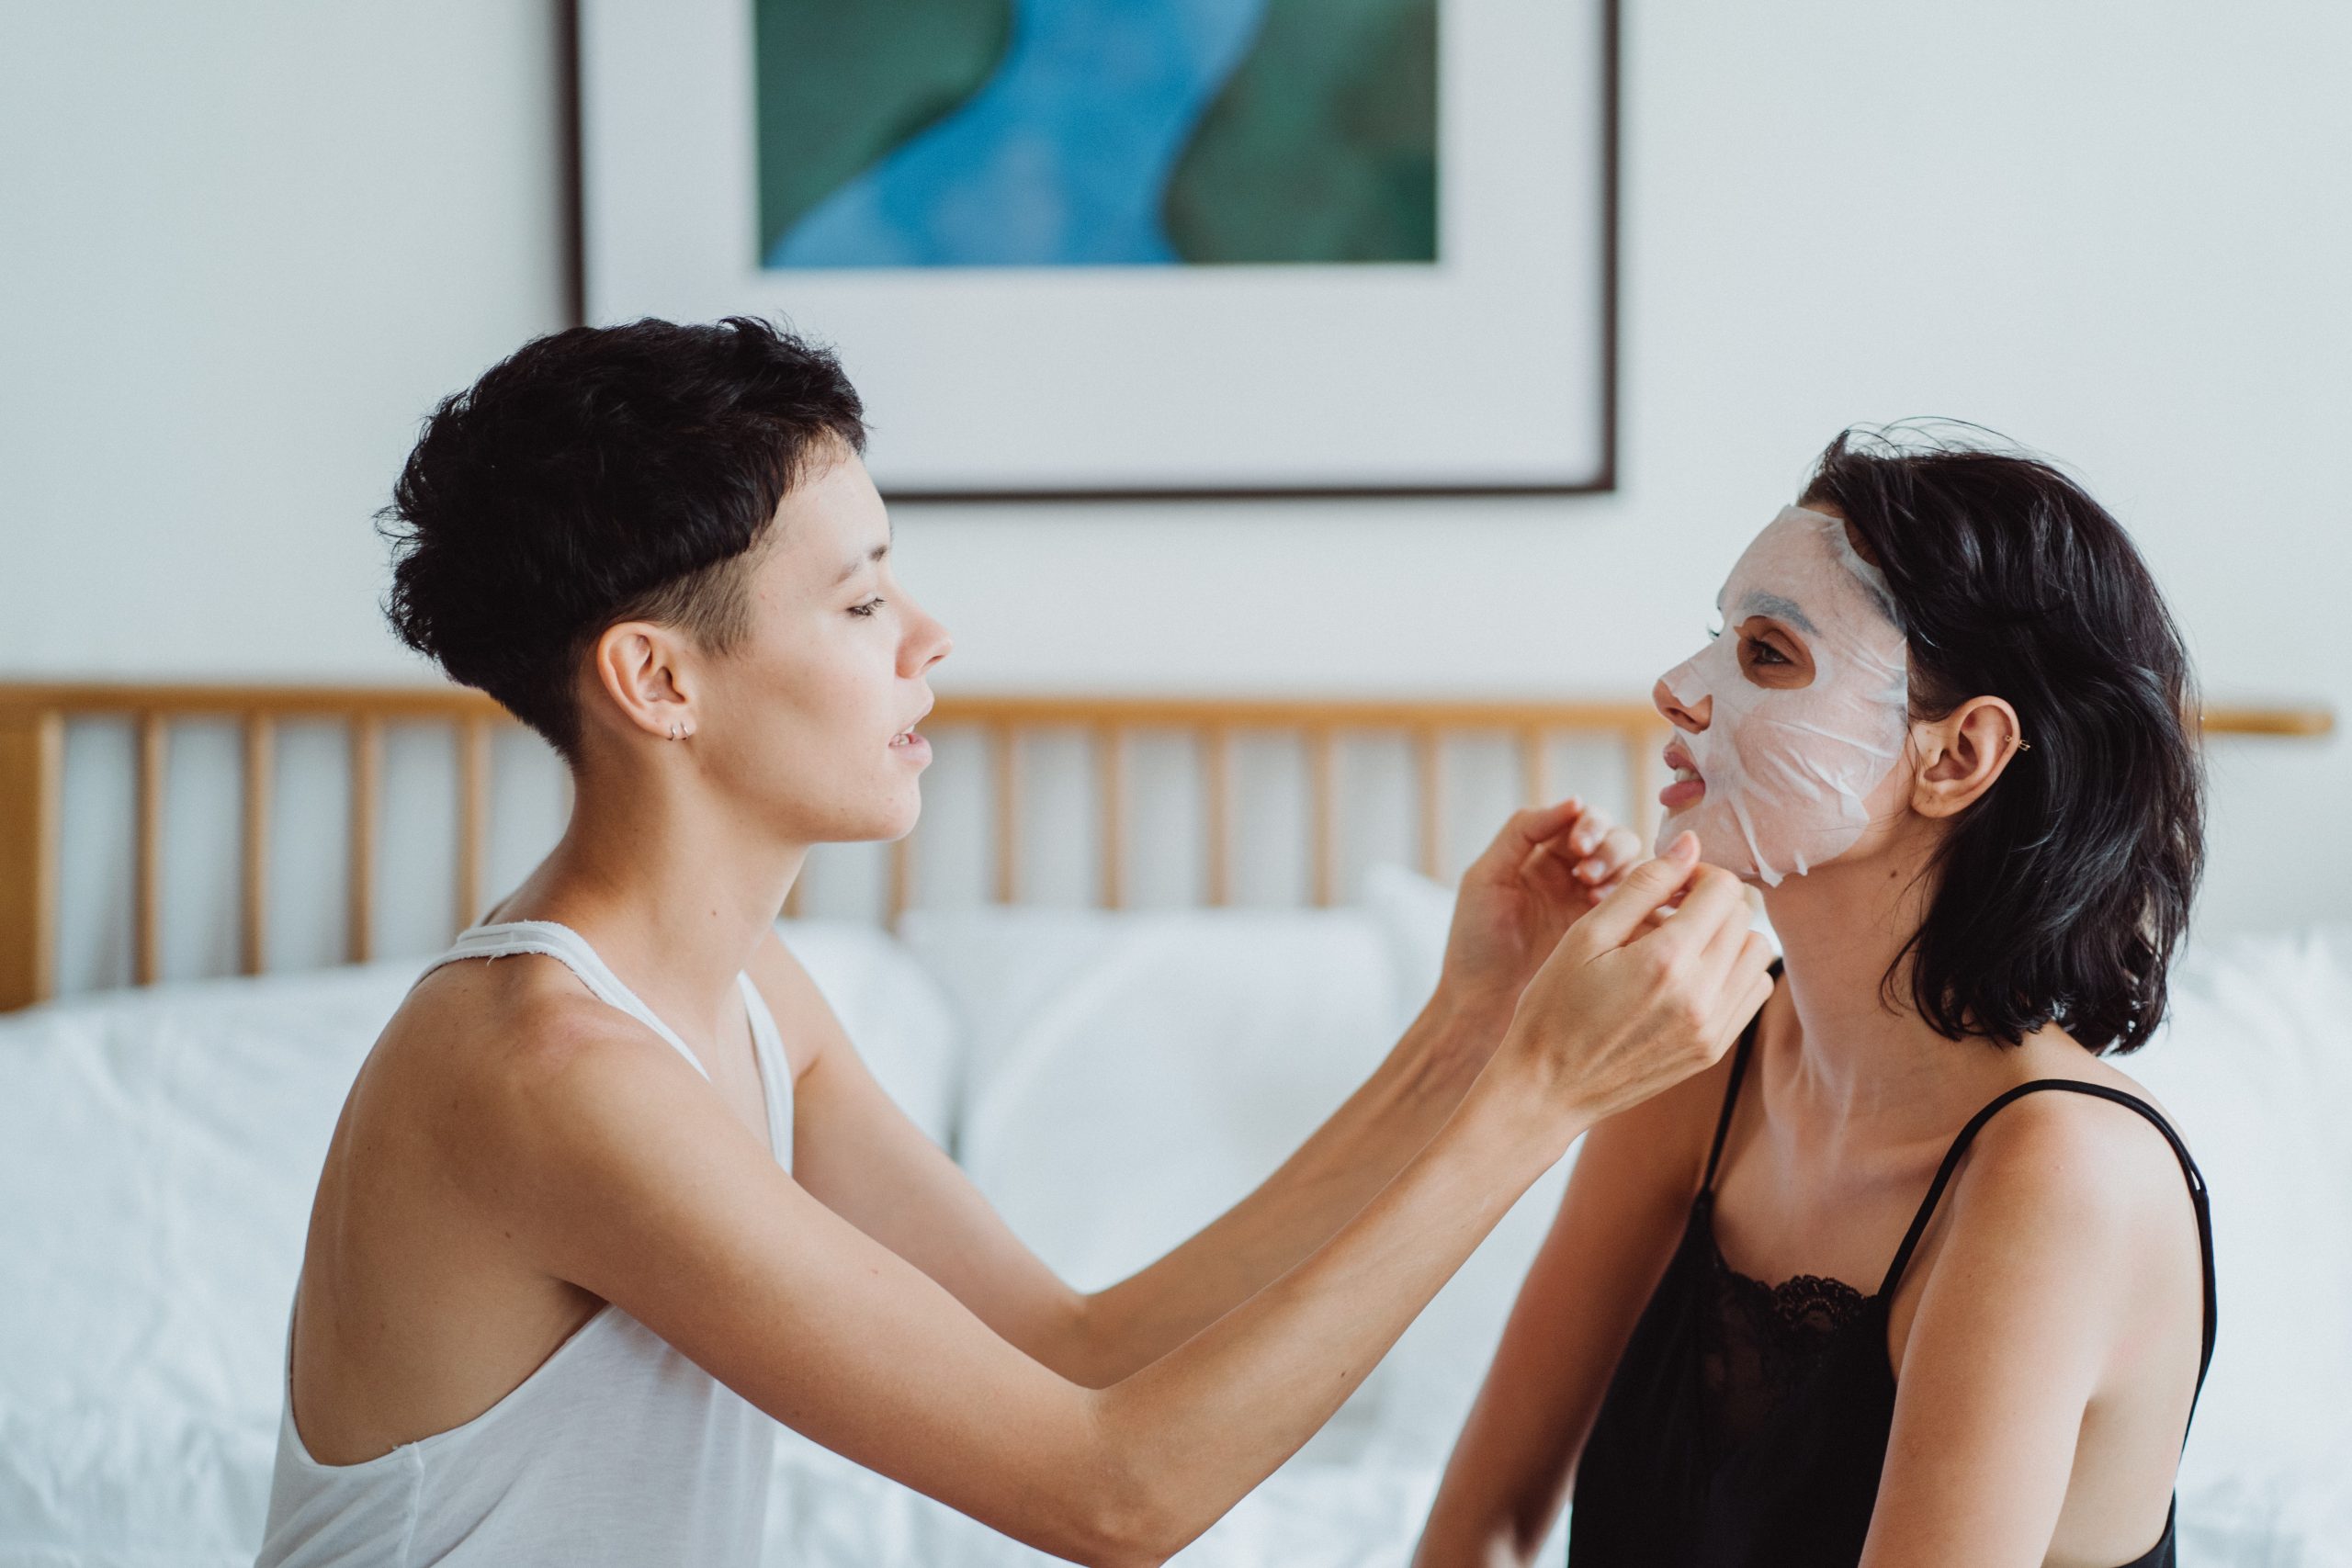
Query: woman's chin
[1718, 846]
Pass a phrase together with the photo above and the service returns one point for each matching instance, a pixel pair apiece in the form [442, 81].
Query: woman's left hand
[1548, 865]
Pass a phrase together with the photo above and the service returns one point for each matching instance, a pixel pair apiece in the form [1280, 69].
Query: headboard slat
[147, 863]
[366, 787]
[1323, 817]
[1217, 813]
[1429, 773]
[252, 885]
[33, 770]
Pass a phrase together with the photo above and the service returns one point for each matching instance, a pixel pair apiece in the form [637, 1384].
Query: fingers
[1648, 887]
[1723, 939]
[1523, 832]
[1713, 901]
[1607, 851]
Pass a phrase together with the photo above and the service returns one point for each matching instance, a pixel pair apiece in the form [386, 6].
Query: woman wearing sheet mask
[1914, 1276]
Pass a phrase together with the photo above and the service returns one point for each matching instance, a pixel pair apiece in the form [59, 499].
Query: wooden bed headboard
[33, 718]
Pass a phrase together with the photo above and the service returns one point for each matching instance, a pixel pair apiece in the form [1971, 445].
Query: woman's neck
[673, 889]
[1865, 1059]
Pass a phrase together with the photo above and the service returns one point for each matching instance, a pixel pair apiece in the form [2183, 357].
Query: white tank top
[617, 1449]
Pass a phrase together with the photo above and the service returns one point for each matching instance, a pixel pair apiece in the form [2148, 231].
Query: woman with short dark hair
[1915, 1277]
[613, 1193]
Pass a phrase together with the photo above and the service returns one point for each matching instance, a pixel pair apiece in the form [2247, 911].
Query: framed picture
[1098, 248]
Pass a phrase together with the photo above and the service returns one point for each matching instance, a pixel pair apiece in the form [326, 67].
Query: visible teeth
[1684, 775]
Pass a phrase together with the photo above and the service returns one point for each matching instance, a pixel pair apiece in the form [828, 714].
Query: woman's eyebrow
[876, 554]
[1780, 609]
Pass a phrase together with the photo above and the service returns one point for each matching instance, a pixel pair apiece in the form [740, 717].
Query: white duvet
[1111, 1082]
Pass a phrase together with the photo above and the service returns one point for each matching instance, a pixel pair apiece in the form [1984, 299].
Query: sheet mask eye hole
[1771, 655]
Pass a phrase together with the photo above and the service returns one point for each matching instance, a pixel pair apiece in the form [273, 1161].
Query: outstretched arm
[1544, 869]
[614, 1168]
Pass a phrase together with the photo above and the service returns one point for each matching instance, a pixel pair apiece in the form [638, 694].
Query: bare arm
[866, 1162]
[1619, 1220]
[614, 1170]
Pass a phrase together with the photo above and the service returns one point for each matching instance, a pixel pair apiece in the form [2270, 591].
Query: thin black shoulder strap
[2180, 1151]
[1740, 1054]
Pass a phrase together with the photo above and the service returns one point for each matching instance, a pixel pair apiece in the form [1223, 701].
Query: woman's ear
[641, 670]
[1961, 753]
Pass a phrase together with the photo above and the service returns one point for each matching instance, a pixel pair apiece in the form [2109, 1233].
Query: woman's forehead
[1791, 571]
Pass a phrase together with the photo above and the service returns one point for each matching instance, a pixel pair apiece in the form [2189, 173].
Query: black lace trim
[1803, 1306]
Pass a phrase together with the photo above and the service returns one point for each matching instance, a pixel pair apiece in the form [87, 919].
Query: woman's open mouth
[911, 746]
[1688, 786]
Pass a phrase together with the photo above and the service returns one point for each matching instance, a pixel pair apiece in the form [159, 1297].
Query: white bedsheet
[1111, 1081]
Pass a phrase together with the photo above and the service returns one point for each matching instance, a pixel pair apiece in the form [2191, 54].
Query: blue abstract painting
[940, 133]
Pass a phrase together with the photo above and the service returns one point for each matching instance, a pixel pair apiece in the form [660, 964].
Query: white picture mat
[1485, 370]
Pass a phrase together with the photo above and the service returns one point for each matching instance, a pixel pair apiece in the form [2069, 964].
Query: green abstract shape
[842, 83]
[1323, 145]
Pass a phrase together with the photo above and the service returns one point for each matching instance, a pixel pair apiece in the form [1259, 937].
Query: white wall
[250, 242]
[247, 244]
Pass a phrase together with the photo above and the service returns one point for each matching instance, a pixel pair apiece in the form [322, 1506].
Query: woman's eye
[1765, 653]
[868, 607]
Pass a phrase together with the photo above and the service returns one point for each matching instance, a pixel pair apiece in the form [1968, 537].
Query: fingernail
[1590, 870]
[1685, 845]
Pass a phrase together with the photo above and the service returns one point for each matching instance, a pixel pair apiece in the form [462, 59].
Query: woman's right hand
[1634, 999]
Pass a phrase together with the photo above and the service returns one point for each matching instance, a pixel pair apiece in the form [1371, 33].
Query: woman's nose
[925, 644]
[1689, 718]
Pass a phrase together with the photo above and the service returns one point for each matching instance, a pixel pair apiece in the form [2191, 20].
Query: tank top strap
[1740, 1052]
[550, 938]
[2196, 1196]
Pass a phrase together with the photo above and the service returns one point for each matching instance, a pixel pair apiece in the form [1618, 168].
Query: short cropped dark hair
[600, 475]
[2061, 894]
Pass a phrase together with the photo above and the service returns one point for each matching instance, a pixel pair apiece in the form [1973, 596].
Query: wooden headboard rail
[33, 718]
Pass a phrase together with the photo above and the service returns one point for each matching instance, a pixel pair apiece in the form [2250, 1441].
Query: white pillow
[157, 1155]
[1132, 1075]
[2255, 1066]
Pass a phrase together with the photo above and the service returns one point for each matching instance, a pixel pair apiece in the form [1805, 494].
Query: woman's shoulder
[2083, 1114]
[2085, 1172]
[476, 1047]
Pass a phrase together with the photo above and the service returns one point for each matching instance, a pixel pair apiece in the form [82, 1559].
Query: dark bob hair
[600, 475]
[2061, 894]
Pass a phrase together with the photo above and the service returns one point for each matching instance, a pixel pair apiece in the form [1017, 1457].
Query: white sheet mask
[1788, 771]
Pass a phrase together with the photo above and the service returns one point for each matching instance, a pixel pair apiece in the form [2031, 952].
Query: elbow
[1131, 1532]
[1131, 1520]
[1110, 1553]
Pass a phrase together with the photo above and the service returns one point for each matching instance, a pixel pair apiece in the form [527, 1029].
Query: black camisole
[1747, 1424]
